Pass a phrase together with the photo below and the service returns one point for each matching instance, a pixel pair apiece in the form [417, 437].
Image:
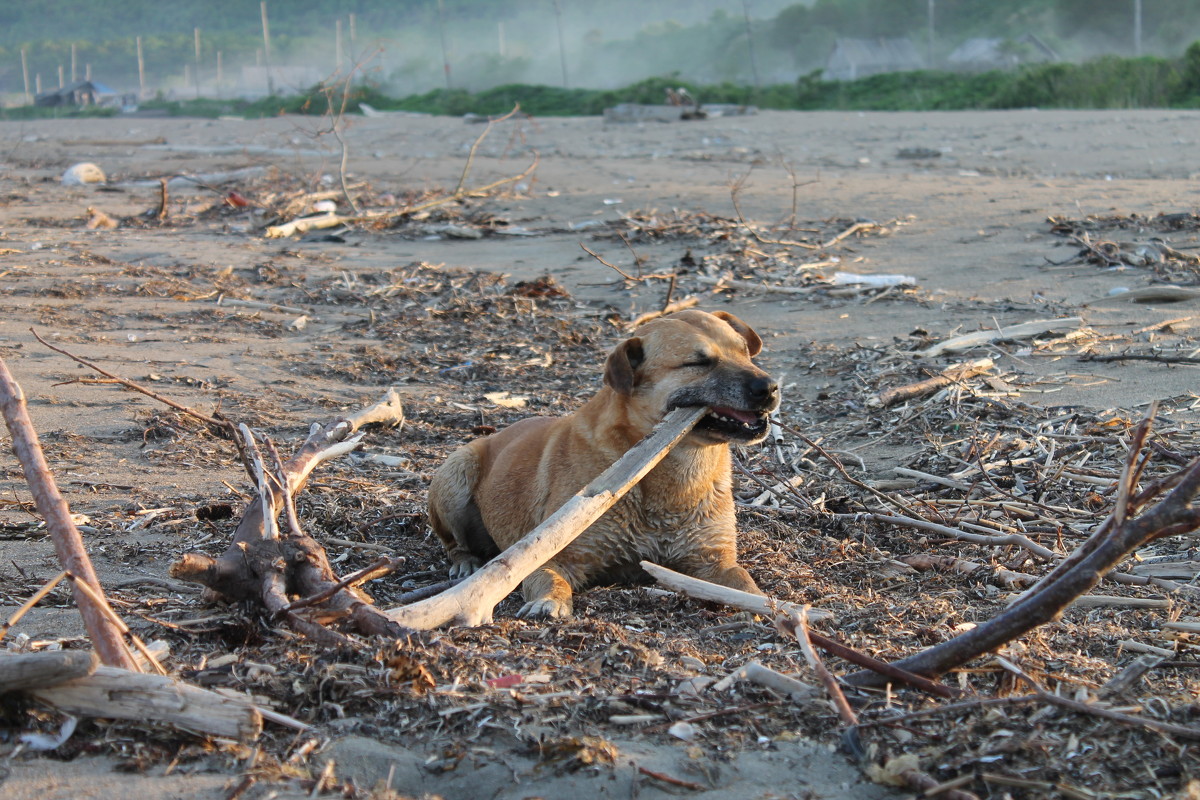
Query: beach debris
[82, 174]
[948, 376]
[98, 220]
[918, 153]
[1158, 293]
[114, 693]
[1134, 241]
[1021, 330]
[262, 563]
[871, 281]
[639, 112]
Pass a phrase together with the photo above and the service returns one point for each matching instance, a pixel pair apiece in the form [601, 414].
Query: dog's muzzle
[747, 424]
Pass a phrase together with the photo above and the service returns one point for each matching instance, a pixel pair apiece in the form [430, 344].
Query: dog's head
[694, 358]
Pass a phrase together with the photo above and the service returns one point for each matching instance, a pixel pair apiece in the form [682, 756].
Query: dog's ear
[622, 362]
[753, 343]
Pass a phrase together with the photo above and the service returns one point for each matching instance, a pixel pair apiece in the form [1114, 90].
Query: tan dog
[491, 492]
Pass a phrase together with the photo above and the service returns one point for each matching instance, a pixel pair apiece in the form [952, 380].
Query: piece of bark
[471, 602]
[304, 224]
[120, 694]
[756, 673]
[948, 376]
[68, 543]
[19, 671]
[1024, 330]
[1125, 680]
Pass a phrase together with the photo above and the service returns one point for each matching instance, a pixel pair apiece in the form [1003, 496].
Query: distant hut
[985, 54]
[856, 58]
[79, 95]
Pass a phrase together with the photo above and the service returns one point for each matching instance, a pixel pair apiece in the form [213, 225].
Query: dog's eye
[700, 361]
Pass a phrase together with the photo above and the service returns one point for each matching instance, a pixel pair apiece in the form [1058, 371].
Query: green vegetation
[1106, 82]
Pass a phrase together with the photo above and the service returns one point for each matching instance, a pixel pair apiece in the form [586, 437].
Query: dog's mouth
[734, 424]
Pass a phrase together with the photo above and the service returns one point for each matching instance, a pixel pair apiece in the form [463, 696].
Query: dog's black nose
[762, 390]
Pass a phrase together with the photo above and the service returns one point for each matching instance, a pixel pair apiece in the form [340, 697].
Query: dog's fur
[491, 492]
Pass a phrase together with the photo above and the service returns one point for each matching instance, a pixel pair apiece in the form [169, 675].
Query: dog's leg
[718, 567]
[453, 514]
[547, 593]
[734, 577]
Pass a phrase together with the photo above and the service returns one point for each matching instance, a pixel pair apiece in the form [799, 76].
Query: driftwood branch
[1023, 330]
[68, 543]
[120, 694]
[471, 602]
[264, 565]
[948, 376]
[1118, 536]
[21, 671]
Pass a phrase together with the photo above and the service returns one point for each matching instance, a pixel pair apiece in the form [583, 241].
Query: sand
[969, 224]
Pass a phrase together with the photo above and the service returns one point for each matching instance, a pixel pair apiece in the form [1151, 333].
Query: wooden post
[61, 84]
[87, 71]
[141, 71]
[74, 73]
[25, 74]
[196, 36]
[750, 44]
[37, 82]
[337, 46]
[562, 48]
[442, 32]
[267, 49]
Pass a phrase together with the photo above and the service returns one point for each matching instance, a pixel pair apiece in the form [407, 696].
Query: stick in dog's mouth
[741, 425]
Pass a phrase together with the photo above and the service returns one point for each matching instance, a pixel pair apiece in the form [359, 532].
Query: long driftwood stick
[471, 602]
[263, 565]
[1023, 330]
[706, 590]
[1118, 536]
[68, 544]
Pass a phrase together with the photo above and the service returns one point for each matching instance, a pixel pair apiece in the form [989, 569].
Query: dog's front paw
[464, 566]
[546, 608]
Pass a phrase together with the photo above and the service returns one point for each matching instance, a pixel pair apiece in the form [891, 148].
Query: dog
[492, 491]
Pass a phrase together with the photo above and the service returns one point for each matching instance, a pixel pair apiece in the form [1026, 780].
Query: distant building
[78, 95]
[985, 54]
[856, 58]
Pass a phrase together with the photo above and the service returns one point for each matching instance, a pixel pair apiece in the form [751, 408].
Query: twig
[658, 776]
[735, 189]
[383, 565]
[222, 424]
[34, 599]
[800, 627]
[475, 146]
[1170, 729]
